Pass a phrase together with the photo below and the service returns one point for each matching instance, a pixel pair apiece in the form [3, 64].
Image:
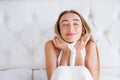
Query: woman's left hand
[81, 43]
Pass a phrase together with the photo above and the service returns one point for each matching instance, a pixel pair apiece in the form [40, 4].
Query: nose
[71, 28]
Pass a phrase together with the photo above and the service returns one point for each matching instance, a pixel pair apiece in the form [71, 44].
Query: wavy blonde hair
[87, 32]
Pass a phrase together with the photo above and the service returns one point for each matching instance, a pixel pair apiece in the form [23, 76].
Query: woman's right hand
[60, 44]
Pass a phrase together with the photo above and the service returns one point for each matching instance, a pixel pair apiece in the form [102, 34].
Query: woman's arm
[52, 51]
[60, 45]
[51, 54]
[65, 58]
[81, 43]
[91, 61]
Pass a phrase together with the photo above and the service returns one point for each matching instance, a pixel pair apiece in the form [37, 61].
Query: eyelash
[68, 24]
[75, 24]
[65, 25]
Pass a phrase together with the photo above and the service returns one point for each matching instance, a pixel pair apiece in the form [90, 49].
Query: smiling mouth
[70, 34]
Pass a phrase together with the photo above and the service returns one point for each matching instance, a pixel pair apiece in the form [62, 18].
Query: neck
[70, 43]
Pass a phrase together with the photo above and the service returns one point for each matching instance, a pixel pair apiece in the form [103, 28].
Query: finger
[80, 40]
[86, 39]
[55, 41]
[58, 41]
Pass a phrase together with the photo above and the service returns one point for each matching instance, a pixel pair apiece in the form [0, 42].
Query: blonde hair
[85, 27]
[84, 24]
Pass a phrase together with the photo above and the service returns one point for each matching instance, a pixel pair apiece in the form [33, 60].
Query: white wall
[25, 25]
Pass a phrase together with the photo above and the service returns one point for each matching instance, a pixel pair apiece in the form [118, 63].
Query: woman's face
[70, 27]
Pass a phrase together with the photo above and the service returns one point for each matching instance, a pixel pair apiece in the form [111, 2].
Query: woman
[72, 29]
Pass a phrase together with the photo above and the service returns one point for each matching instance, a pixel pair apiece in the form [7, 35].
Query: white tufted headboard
[25, 26]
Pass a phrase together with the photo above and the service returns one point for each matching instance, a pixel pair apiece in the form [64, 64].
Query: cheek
[62, 31]
[79, 30]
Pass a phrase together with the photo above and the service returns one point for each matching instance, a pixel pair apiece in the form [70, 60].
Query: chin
[70, 41]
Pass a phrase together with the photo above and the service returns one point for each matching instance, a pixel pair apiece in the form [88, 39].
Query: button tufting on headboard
[26, 25]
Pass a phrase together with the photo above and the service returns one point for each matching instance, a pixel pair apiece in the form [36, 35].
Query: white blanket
[71, 73]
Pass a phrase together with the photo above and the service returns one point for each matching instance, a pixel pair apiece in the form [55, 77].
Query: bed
[25, 26]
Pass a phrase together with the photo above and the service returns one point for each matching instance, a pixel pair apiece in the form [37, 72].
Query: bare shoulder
[91, 48]
[91, 44]
[50, 49]
[49, 44]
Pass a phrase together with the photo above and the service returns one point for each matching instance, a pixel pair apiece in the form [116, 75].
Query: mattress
[40, 74]
[106, 74]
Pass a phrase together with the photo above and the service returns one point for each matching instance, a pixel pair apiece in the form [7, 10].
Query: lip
[70, 34]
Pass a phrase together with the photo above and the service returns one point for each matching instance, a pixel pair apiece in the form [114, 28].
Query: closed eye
[65, 25]
[76, 24]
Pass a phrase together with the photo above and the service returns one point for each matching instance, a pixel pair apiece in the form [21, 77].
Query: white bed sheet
[16, 74]
[106, 74]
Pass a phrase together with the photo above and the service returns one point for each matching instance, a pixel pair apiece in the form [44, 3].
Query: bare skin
[71, 30]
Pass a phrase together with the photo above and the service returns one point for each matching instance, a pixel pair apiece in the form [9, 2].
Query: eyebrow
[64, 20]
[73, 20]
[76, 20]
